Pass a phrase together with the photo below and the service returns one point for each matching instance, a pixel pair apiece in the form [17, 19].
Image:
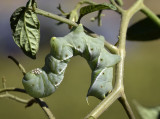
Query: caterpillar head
[37, 84]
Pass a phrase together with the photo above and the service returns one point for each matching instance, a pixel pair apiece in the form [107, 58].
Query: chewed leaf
[26, 30]
[144, 30]
[92, 8]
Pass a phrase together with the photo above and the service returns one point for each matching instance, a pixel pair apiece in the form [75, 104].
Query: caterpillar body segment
[101, 62]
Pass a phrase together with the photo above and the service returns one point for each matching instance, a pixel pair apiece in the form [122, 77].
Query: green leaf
[15, 18]
[144, 30]
[26, 30]
[148, 113]
[92, 8]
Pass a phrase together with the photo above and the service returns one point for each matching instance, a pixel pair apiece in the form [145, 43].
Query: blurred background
[142, 66]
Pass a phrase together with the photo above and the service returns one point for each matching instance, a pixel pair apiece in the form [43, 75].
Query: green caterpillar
[43, 82]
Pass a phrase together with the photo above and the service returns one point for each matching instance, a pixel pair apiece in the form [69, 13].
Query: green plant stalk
[12, 97]
[45, 108]
[126, 106]
[120, 2]
[150, 14]
[119, 85]
[42, 104]
[18, 64]
[88, 2]
[112, 97]
[54, 16]
[111, 47]
[119, 9]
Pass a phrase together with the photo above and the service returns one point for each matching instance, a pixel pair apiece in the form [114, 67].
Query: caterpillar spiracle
[43, 82]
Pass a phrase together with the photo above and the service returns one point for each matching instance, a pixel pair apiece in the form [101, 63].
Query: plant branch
[104, 105]
[18, 64]
[119, 2]
[41, 103]
[150, 14]
[28, 103]
[13, 97]
[54, 16]
[111, 47]
[10, 96]
[117, 6]
[124, 102]
[13, 89]
[88, 2]
[45, 108]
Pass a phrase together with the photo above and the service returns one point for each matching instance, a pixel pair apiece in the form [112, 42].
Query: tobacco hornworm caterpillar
[43, 82]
